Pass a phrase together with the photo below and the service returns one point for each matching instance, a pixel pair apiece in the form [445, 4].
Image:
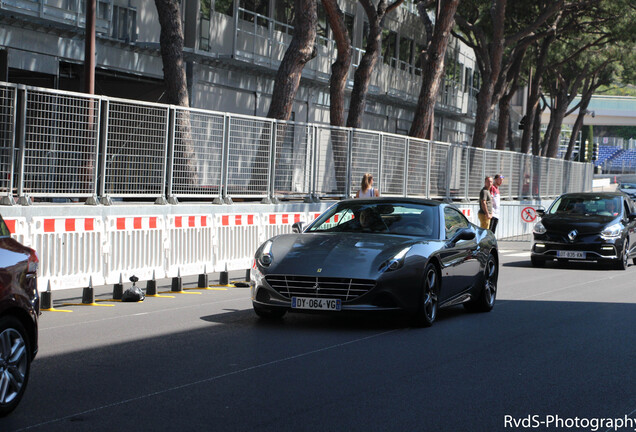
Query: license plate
[571, 254]
[316, 304]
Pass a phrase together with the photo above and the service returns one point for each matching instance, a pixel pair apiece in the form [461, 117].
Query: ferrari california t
[378, 254]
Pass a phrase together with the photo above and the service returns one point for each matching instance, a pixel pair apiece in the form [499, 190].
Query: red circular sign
[528, 214]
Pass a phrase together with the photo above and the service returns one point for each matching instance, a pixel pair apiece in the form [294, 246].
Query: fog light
[539, 246]
[606, 248]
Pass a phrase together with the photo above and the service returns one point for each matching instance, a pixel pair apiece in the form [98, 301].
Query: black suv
[19, 311]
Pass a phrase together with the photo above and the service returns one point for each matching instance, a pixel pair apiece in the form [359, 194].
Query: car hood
[356, 255]
[584, 224]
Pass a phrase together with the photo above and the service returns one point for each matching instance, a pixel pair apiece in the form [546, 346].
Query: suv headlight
[265, 257]
[612, 231]
[539, 228]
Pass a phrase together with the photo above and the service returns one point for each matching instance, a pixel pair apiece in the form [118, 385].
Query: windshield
[577, 205]
[410, 219]
[627, 186]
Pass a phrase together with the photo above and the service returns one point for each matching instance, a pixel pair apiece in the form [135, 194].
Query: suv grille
[344, 289]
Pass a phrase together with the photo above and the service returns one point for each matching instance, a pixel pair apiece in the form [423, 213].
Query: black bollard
[45, 298]
[88, 294]
[177, 285]
[247, 275]
[224, 278]
[151, 286]
[118, 289]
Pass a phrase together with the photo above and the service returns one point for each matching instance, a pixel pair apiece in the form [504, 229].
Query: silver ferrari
[378, 254]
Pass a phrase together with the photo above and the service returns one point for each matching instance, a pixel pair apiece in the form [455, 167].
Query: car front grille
[344, 289]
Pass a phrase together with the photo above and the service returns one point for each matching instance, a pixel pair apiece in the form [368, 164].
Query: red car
[19, 311]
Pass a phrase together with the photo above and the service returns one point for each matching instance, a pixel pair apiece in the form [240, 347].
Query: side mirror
[541, 212]
[297, 227]
[462, 234]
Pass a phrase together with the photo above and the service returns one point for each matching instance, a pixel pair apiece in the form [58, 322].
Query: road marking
[206, 380]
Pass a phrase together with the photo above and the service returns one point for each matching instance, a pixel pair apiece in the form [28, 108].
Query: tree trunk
[174, 77]
[535, 94]
[536, 132]
[171, 42]
[337, 84]
[363, 73]
[340, 68]
[578, 124]
[504, 121]
[299, 52]
[365, 69]
[433, 70]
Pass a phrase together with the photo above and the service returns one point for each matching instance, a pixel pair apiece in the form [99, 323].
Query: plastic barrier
[136, 245]
[238, 236]
[190, 247]
[70, 251]
[468, 212]
[19, 230]
[280, 223]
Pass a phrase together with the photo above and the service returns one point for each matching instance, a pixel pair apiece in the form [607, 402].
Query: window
[252, 10]
[284, 15]
[406, 52]
[204, 26]
[454, 221]
[389, 41]
[124, 26]
[225, 7]
[322, 34]
[349, 22]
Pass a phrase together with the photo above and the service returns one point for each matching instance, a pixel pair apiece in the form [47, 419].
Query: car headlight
[396, 262]
[539, 228]
[612, 231]
[265, 257]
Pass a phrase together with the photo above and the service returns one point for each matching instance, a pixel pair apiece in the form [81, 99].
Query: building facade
[232, 52]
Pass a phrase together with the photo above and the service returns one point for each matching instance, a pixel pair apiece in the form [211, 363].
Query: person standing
[366, 188]
[496, 201]
[485, 204]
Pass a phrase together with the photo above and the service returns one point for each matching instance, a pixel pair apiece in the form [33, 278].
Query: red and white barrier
[190, 245]
[280, 223]
[135, 246]
[237, 236]
[70, 251]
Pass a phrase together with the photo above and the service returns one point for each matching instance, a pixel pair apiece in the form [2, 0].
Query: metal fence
[58, 144]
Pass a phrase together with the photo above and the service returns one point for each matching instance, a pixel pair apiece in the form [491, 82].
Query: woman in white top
[366, 188]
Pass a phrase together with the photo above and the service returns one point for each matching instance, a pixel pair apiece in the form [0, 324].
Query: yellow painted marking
[214, 289]
[86, 304]
[229, 286]
[56, 310]
[158, 295]
[179, 292]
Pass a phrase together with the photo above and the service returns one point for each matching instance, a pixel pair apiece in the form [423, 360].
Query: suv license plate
[316, 304]
[571, 254]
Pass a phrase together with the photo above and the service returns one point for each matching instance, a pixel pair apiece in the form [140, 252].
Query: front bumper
[392, 293]
[594, 247]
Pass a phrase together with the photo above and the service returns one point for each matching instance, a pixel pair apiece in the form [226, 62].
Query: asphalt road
[560, 342]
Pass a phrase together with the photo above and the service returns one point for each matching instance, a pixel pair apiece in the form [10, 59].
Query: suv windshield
[391, 218]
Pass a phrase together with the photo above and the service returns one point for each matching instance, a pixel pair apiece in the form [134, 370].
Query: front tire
[488, 293]
[537, 262]
[623, 261]
[429, 303]
[267, 313]
[15, 363]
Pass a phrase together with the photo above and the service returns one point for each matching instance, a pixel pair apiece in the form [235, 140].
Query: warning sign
[528, 214]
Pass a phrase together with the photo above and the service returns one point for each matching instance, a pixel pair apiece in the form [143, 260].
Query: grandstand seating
[606, 153]
[623, 159]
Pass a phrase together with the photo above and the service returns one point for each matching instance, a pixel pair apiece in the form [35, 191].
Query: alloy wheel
[13, 364]
[490, 283]
[430, 295]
